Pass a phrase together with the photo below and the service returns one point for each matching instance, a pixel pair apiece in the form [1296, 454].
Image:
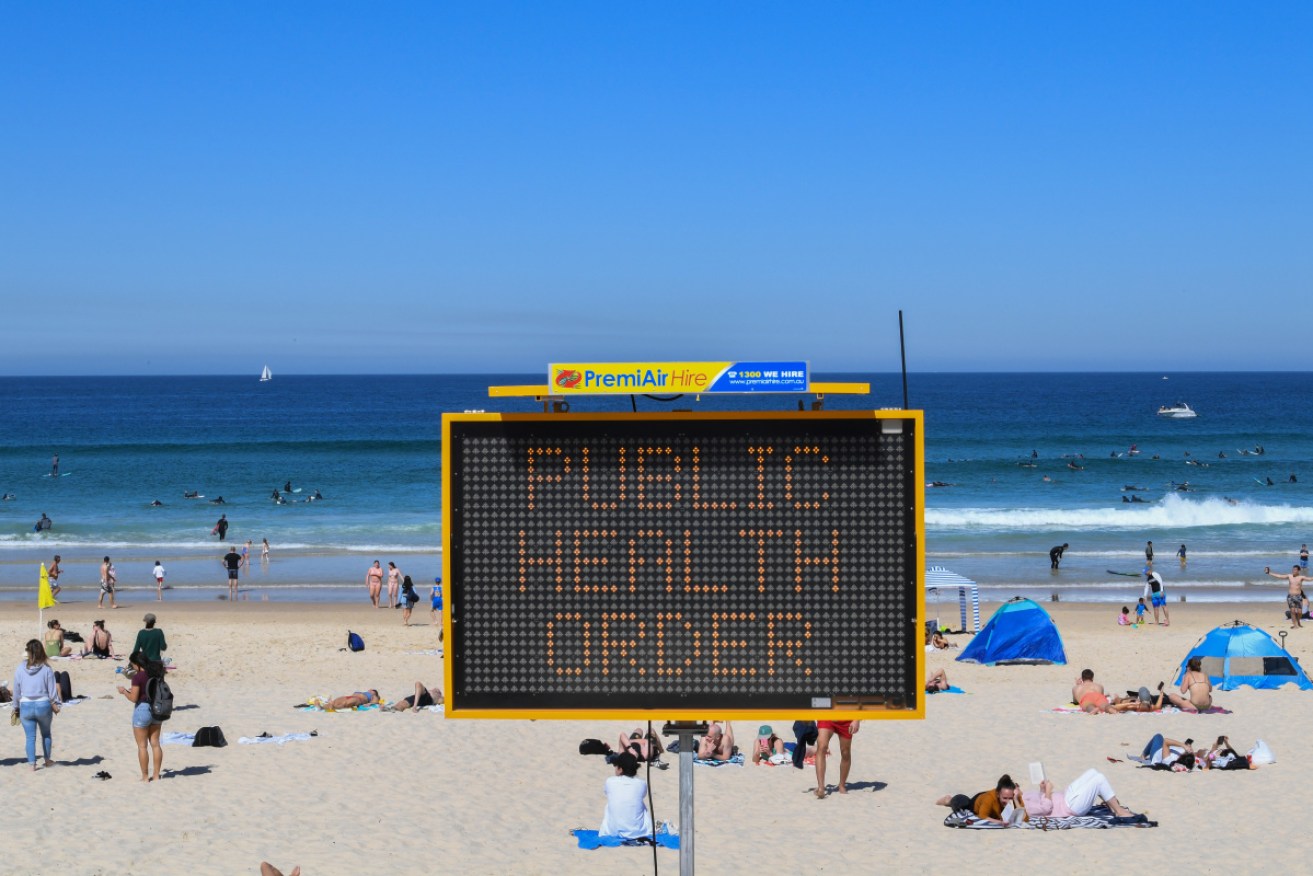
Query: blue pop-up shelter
[1238, 653]
[1019, 632]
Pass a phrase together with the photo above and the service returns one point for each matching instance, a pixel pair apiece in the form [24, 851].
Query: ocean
[1029, 461]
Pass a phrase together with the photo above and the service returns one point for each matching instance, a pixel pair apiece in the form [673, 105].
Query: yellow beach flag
[43, 598]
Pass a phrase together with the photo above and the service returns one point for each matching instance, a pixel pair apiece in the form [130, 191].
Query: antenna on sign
[902, 349]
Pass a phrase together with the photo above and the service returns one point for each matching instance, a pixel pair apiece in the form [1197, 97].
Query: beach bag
[209, 737]
[160, 698]
[594, 746]
[1261, 754]
[354, 642]
[65, 682]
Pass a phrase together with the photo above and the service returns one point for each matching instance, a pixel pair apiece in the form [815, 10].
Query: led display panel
[683, 565]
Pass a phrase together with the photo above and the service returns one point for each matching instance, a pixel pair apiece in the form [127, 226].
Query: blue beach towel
[590, 839]
[736, 760]
[952, 688]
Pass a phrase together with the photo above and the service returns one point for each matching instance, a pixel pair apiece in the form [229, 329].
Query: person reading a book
[1077, 799]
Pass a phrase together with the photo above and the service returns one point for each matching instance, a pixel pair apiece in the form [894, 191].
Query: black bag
[594, 746]
[65, 682]
[160, 698]
[209, 737]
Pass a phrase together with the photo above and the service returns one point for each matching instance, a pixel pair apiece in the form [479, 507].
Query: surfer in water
[218, 501]
[54, 466]
[287, 487]
[44, 523]
[1055, 555]
[7, 497]
[191, 494]
[157, 504]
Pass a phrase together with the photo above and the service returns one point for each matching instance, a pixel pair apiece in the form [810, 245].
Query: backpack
[354, 642]
[160, 698]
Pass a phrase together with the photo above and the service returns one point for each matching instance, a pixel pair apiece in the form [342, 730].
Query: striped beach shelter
[938, 580]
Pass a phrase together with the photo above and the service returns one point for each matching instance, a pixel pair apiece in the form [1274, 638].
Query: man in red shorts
[824, 731]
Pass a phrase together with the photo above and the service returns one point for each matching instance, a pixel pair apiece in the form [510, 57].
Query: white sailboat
[266, 374]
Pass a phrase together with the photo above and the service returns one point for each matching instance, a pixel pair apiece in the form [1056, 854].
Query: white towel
[277, 740]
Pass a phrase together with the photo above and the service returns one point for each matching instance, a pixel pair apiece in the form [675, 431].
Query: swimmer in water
[157, 504]
[218, 501]
[7, 497]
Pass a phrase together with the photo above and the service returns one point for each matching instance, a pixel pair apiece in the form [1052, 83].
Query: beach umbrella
[938, 579]
[44, 598]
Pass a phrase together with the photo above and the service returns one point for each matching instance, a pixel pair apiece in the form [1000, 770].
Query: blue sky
[393, 187]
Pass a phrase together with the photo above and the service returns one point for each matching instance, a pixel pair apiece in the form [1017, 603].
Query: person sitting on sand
[717, 744]
[1077, 799]
[989, 805]
[55, 646]
[421, 698]
[101, 644]
[939, 643]
[350, 701]
[768, 745]
[626, 814]
[937, 681]
[1196, 689]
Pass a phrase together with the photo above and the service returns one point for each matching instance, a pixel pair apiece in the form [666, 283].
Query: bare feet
[944, 800]
[820, 792]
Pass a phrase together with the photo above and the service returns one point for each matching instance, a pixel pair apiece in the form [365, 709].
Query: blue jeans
[36, 714]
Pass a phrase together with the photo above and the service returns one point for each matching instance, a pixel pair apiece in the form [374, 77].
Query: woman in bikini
[374, 580]
[1196, 689]
[101, 644]
[352, 700]
[394, 583]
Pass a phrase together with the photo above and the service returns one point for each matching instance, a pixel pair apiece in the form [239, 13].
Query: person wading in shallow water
[1055, 555]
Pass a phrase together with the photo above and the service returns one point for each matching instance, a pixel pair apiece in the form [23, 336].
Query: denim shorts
[141, 716]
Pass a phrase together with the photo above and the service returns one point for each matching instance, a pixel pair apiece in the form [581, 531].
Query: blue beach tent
[1019, 632]
[1238, 654]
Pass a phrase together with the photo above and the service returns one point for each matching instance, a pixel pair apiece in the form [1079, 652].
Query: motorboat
[1178, 411]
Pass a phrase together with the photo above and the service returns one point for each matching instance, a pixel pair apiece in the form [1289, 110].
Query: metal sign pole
[687, 749]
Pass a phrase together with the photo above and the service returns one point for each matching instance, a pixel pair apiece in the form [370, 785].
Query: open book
[1036, 773]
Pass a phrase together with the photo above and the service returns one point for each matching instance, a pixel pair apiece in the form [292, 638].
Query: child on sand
[1124, 619]
[159, 581]
[1139, 612]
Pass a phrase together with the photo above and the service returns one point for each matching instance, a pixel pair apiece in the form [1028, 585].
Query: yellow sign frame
[631, 714]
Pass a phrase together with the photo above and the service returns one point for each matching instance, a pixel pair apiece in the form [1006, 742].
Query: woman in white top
[36, 696]
[626, 813]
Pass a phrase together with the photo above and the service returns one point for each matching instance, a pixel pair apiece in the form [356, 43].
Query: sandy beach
[414, 793]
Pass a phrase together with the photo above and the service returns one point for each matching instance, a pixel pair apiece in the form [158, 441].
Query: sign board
[684, 565]
[623, 378]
